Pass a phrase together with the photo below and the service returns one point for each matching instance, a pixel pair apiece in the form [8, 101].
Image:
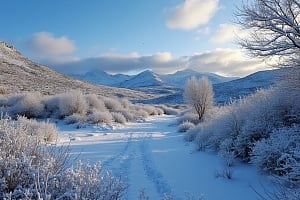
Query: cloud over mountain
[229, 62]
[46, 47]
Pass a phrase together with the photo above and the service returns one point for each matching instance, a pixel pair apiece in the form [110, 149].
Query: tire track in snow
[162, 186]
[120, 163]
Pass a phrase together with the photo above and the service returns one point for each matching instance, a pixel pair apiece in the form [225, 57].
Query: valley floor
[152, 156]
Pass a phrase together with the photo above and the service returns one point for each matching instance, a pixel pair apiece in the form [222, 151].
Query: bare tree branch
[274, 29]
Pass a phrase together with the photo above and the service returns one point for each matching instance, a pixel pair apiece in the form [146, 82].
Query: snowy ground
[152, 155]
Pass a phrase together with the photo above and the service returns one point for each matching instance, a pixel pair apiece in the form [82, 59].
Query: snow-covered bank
[152, 155]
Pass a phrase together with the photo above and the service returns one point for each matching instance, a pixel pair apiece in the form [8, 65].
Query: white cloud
[202, 31]
[51, 50]
[228, 62]
[192, 13]
[162, 57]
[45, 43]
[227, 33]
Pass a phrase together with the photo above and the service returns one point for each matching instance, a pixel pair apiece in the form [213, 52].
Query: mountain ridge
[148, 78]
[19, 74]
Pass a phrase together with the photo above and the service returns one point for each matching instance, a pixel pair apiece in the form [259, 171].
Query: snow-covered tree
[274, 29]
[199, 95]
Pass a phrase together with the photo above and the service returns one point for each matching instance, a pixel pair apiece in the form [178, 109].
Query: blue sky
[75, 36]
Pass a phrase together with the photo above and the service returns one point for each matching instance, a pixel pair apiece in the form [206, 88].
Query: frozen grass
[262, 129]
[32, 169]
[76, 108]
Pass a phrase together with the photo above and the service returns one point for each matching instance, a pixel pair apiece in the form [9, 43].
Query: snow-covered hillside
[247, 85]
[19, 74]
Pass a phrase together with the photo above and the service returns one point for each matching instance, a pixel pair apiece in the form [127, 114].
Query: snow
[152, 156]
[143, 79]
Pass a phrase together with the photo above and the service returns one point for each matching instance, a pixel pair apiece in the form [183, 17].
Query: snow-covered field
[152, 156]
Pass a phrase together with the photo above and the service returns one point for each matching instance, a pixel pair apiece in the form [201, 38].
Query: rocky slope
[19, 74]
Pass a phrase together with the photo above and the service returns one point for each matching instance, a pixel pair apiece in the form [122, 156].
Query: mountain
[148, 78]
[179, 78]
[102, 78]
[247, 85]
[19, 74]
[226, 91]
[144, 79]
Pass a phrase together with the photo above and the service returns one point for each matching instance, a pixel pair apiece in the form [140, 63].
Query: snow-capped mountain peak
[143, 79]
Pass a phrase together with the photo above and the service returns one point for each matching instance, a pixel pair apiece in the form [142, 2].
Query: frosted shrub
[112, 104]
[203, 136]
[52, 106]
[28, 104]
[128, 114]
[185, 126]
[30, 169]
[24, 159]
[75, 118]
[118, 117]
[125, 103]
[140, 113]
[279, 154]
[262, 117]
[227, 152]
[191, 135]
[72, 102]
[101, 117]
[95, 103]
[87, 181]
[44, 131]
[188, 116]
[151, 110]
[169, 110]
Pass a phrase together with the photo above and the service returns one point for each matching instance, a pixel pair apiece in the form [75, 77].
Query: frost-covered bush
[52, 106]
[44, 131]
[25, 160]
[95, 103]
[112, 104]
[71, 103]
[151, 110]
[125, 103]
[86, 181]
[75, 118]
[118, 117]
[188, 116]
[280, 153]
[168, 110]
[140, 113]
[31, 169]
[101, 117]
[185, 126]
[75, 107]
[128, 114]
[27, 104]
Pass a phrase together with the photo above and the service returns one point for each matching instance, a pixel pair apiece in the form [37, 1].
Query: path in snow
[152, 155]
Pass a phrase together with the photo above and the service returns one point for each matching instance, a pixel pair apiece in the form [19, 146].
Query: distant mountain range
[148, 78]
[169, 87]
